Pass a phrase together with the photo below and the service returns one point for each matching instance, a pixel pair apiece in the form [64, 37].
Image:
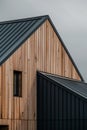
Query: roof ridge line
[61, 77]
[23, 19]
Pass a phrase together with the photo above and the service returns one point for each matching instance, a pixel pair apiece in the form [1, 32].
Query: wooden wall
[42, 51]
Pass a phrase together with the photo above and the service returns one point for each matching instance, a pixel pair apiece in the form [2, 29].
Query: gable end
[15, 33]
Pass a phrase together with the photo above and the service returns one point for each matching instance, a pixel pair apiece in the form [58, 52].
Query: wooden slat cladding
[42, 51]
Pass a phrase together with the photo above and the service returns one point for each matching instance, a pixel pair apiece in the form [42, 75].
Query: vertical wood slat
[32, 98]
[51, 49]
[19, 125]
[23, 100]
[48, 44]
[5, 90]
[10, 88]
[31, 125]
[43, 51]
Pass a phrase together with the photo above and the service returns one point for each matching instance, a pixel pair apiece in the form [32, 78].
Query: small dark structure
[61, 103]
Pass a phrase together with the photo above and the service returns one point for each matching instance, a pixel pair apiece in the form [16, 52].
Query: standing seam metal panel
[57, 109]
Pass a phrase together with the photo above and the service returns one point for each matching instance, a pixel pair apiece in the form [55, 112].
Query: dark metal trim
[23, 19]
[65, 47]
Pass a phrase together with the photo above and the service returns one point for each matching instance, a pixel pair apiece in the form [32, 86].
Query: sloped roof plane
[74, 86]
[14, 33]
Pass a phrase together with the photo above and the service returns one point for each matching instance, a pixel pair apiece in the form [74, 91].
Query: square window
[17, 83]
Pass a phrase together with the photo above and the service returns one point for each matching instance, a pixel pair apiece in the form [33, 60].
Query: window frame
[17, 83]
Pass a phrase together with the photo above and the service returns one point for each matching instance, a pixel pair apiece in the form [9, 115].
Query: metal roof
[75, 86]
[14, 33]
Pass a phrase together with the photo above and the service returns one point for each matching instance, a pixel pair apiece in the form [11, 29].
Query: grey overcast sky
[69, 17]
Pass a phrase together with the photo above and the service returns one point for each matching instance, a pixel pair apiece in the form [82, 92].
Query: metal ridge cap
[23, 19]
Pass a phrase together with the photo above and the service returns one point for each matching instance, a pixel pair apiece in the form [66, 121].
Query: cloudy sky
[69, 17]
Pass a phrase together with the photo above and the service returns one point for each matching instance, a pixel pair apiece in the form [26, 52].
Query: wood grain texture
[43, 51]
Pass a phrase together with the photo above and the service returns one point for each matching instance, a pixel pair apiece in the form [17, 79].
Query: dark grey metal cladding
[58, 108]
[14, 33]
[78, 87]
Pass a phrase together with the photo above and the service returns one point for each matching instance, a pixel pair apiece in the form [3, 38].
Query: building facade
[38, 47]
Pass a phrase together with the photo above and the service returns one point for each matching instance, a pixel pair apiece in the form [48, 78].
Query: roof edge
[23, 19]
[45, 17]
[55, 82]
[65, 48]
[60, 76]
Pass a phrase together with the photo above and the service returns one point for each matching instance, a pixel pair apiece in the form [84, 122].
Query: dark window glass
[17, 83]
[3, 127]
